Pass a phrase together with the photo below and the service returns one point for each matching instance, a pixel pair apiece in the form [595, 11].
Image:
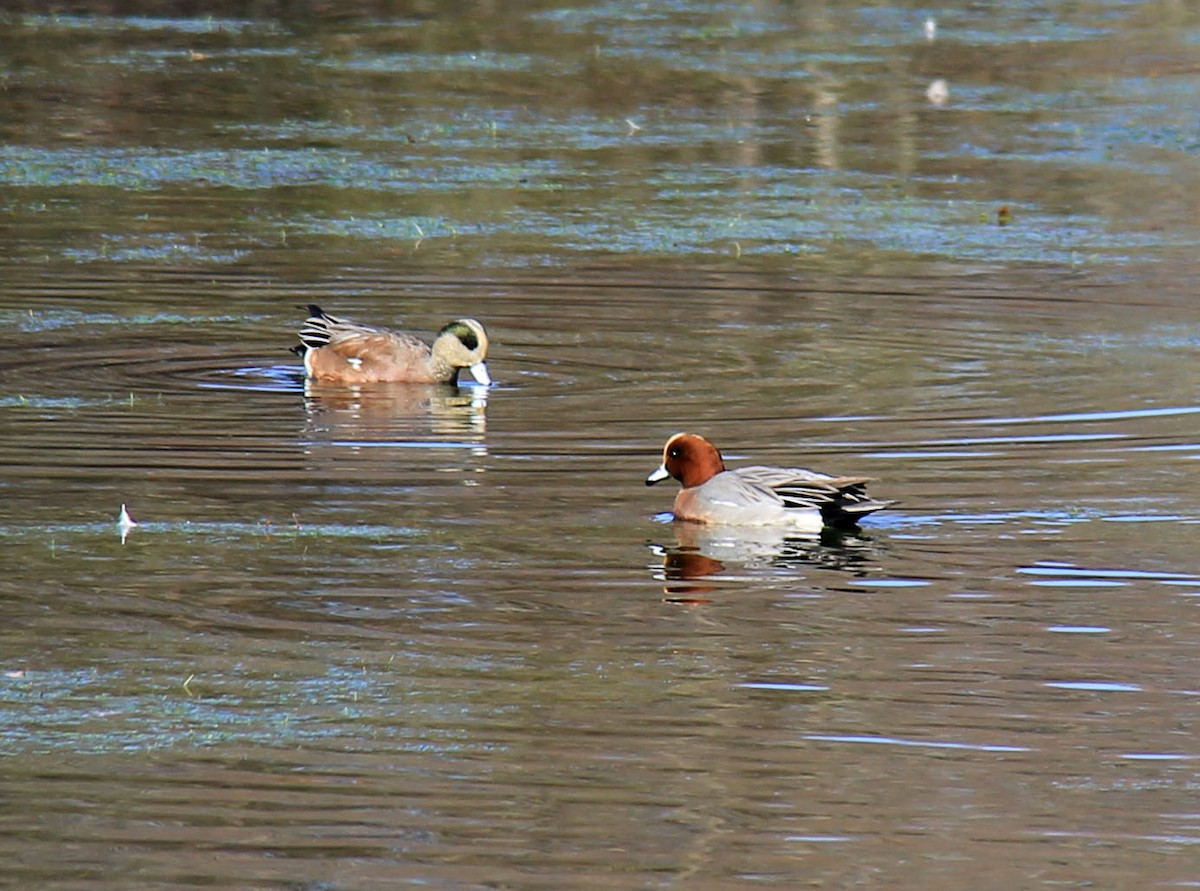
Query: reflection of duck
[686, 564]
[802, 500]
[390, 412]
[702, 551]
[342, 351]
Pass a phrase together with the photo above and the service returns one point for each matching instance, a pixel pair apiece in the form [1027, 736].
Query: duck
[802, 500]
[341, 351]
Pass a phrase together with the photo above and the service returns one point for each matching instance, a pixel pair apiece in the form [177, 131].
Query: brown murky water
[445, 636]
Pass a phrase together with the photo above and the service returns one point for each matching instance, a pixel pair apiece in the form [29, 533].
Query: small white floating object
[931, 29]
[633, 126]
[938, 92]
[125, 523]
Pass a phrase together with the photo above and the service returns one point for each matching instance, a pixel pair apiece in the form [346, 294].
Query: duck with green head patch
[346, 352]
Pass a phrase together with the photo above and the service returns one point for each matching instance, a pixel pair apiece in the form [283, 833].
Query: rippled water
[446, 636]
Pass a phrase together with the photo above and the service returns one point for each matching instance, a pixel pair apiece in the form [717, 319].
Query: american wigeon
[758, 496]
[346, 352]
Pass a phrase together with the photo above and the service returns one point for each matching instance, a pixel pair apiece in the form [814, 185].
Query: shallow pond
[446, 637]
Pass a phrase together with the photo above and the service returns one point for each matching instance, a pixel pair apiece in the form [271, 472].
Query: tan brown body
[342, 351]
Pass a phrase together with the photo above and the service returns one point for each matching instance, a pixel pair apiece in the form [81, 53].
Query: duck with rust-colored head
[804, 500]
[345, 352]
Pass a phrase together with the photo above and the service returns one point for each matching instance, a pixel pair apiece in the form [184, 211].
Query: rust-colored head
[689, 458]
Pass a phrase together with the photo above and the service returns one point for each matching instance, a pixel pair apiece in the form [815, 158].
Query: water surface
[445, 636]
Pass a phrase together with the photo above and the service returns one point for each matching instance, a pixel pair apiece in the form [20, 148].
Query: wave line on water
[1068, 570]
[1127, 414]
[915, 743]
[400, 444]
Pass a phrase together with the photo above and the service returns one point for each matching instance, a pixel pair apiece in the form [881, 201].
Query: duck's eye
[674, 453]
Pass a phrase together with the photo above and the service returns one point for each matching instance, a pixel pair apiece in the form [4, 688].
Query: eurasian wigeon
[803, 500]
[346, 352]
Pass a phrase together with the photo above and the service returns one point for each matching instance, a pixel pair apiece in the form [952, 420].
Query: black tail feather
[315, 332]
